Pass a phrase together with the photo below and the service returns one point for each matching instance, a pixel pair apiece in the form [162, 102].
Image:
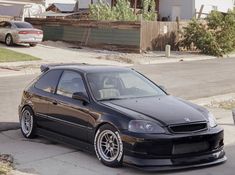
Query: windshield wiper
[110, 99]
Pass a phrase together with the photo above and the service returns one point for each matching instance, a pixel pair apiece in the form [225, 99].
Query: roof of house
[15, 10]
[64, 7]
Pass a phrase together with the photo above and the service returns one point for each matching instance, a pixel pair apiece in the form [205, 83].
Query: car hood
[167, 110]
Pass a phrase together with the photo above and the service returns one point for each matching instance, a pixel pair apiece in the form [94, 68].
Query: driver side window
[70, 83]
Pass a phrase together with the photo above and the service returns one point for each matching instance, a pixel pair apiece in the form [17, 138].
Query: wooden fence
[123, 36]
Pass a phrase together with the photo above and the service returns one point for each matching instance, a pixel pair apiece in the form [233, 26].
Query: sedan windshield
[121, 85]
[23, 25]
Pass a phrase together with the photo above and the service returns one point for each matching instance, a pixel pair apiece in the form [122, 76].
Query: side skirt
[76, 144]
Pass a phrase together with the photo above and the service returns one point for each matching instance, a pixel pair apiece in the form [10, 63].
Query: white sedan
[16, 32]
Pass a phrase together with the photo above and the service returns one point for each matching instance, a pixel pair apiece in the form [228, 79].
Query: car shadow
[6, 126]
[17, 45]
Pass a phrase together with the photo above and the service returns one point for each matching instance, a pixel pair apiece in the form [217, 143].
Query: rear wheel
[9, 40]
[33, 45]
[108, 146]
[28, 123]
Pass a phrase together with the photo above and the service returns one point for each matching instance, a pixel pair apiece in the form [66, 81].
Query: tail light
[30, 32]
[23, 32]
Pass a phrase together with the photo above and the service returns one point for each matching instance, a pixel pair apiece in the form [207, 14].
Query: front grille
[190, 148]
[186, 128]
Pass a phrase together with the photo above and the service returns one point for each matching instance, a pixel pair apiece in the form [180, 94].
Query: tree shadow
[161, 41]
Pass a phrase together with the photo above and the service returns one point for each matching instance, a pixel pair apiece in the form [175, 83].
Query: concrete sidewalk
[40, 156]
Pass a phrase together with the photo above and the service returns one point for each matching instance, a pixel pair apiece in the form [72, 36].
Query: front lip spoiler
[163, 164]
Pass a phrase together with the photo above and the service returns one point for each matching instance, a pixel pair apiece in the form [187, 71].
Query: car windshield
[23, 25]
[121, 85]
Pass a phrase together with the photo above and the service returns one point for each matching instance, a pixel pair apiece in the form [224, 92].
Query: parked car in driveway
[17, 32]
[121, 116]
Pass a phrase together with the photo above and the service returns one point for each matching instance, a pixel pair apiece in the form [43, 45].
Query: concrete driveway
[40, 156]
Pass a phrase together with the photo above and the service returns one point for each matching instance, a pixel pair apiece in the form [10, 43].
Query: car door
[70, 115]
[43, 90]
[2, 31]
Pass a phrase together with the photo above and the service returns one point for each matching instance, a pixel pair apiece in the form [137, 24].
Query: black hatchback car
[121, 116]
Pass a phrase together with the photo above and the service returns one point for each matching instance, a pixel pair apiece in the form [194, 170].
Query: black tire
[32, 45]
[117, 159]
[9, 40]
[30, 133]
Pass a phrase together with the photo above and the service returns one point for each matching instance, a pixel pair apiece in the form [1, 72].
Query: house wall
[189, 7]
[82, 3]
[186, 8]
[49, 2]
[221, 5]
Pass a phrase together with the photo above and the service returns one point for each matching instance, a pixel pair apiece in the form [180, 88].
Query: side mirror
[80, 96]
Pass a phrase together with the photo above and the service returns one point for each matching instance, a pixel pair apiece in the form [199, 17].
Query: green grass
[7, 55]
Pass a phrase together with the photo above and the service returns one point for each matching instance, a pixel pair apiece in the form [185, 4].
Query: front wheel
[28, 123]
[108, 146]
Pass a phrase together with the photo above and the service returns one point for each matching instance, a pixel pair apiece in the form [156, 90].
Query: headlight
[142, 126]
[212, 120]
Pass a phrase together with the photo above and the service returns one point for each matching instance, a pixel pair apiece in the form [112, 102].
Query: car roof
[86, 68]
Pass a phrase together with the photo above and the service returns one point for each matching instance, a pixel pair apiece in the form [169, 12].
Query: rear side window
[48, 82]
[22, 25]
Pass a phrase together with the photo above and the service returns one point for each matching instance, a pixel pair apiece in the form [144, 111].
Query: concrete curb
[6, 126]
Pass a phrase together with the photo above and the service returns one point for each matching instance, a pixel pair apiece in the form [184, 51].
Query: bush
[215, 37]
[121, 11]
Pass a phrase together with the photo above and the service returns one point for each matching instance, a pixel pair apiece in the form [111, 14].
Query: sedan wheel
[9, 40]
[108, 146]
[27, 123]
[32, 45]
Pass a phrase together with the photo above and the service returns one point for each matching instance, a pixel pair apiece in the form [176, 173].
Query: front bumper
[174, 151]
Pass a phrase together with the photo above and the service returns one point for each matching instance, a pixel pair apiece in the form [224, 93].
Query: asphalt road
[193, 80]
[189, 80]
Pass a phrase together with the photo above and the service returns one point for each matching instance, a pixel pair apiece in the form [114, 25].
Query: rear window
[48, 82]
[23, 25]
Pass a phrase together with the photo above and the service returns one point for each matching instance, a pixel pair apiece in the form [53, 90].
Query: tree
[215, 36]
[121, 11]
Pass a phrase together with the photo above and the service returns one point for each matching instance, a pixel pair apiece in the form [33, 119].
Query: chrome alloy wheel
[108, 145]
[8, 40]
[27, 122]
